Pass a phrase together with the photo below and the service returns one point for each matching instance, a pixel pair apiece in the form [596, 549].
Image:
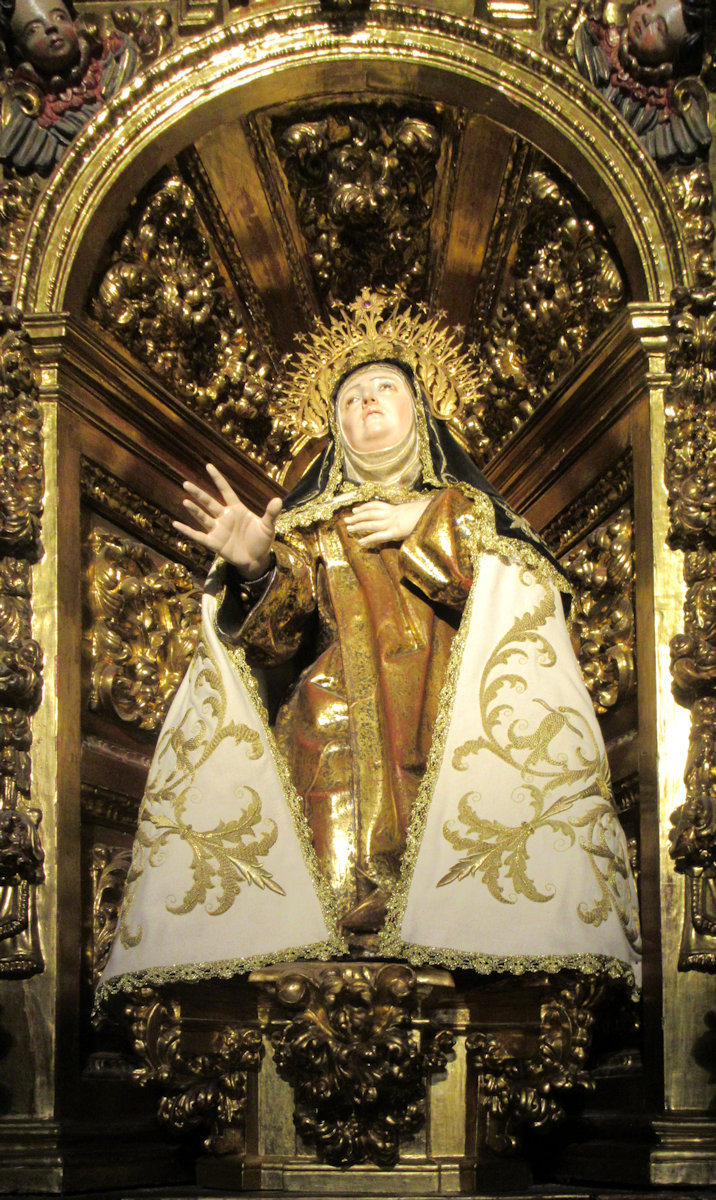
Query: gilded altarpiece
[258, 167]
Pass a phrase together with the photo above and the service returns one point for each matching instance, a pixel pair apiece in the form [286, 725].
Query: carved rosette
[363, 182]
[563, 288]
[21, 491]
[164, 299]
[144, 620]
[691, 482]
[521, 1080]
[352, 1054]
[204, 1091]
[602, 571]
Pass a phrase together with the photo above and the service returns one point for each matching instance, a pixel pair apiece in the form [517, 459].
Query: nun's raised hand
[227, 527]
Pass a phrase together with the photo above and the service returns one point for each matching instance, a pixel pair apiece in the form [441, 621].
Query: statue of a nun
[432, 784]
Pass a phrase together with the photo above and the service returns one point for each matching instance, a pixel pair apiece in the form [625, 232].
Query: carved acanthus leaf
[563, 288]
[363, 182]
[200, 1091]
[164, 299]
[521, 1084]
[144, 616]
[354, 1060]
[603, 573]
[150, 30]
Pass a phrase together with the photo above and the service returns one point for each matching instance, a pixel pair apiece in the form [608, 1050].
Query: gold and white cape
[515, 859]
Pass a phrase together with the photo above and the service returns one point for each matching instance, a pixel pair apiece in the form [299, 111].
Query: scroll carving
[691, 482]
[21, 491]
[363, 182]
[205, 1091]
[603, 573]
[144, 618]
[163, 298]
[17, 200]
[354, 1060]
[691, 191]
[562, 290]
[521, 1083]
[107, 494]
[110, 865]
[593, 506]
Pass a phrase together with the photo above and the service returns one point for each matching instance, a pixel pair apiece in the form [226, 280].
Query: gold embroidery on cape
[223, 858]
[552, 784]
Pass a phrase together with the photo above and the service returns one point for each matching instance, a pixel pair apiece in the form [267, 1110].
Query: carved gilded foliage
[21, 492]
[164, 299]
[351, 1052]
[205, 1091]
[562, 289]
[522, 1080]
[144, 620]
[363, 181]
[691, 483]
[109, 868]
[603, 573]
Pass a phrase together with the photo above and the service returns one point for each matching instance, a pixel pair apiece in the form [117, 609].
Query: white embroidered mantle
[515, 860]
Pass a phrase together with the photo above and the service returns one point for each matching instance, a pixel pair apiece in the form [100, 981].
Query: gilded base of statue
[365, 1078]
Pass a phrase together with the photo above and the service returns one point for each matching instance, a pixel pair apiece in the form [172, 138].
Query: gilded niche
[363, 181]
[144, 620]
[563, 287]
[603, 573]
[163, 297]
[21, 493]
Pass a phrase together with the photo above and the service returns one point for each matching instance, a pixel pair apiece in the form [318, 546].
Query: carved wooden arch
[298, 53]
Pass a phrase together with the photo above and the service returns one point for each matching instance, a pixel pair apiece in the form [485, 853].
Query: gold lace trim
[224, 968]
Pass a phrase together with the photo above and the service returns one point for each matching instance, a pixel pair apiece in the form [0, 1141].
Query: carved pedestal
[365, 1077]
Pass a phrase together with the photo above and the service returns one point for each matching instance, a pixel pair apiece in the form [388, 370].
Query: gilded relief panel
[21, 504]
[144, 616]
[363, 181]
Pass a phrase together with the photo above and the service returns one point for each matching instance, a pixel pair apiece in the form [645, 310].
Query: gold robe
[357, 726]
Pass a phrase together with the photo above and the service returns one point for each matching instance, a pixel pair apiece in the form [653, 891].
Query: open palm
[230, 529]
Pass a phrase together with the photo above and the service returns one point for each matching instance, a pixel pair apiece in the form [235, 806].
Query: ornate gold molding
[21, 495]
[144, 620]
[691, 481]
[591, 507]
[602, 571]
[691, 192]
[196, 79]
[109, 808]
[108, 495]
[363, 182]
[522, 1078]
[351, 1053]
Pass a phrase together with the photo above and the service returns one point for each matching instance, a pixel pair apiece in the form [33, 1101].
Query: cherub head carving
[664, 34]
[41, 33]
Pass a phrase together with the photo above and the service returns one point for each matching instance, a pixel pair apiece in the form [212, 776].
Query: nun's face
[375, 409]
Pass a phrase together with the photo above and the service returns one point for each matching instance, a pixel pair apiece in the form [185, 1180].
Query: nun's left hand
[376, 522]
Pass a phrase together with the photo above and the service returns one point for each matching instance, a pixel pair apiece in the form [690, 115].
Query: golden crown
[374, 327]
